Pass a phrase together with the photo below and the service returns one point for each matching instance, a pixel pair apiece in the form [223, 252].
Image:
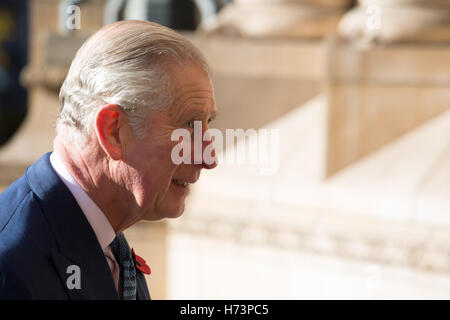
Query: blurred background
[359, 207]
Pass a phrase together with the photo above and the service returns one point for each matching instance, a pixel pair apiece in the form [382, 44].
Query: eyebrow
[202, 114]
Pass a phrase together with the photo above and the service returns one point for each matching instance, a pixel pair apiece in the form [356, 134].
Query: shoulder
[25, 241]
[21, 217]
[11, 199]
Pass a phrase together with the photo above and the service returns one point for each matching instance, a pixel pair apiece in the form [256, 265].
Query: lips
[183, 183]
[180, 183]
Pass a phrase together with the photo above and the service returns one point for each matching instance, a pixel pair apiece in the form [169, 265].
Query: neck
[91, 169]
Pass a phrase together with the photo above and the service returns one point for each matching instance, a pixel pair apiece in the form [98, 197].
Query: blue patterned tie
[127, 278]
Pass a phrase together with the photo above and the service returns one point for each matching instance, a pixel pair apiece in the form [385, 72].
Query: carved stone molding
[383, 21]
[312, 230]
[278, 18]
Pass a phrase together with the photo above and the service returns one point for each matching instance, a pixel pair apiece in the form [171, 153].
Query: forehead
[193, 91]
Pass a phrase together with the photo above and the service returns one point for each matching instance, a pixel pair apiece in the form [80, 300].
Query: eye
[190, 124]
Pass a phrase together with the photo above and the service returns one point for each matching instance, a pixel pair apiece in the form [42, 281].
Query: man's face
[156, 182]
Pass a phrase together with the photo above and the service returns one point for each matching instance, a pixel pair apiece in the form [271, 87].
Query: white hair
[124, 63]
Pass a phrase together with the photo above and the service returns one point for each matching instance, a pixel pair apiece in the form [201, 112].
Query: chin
[169, 213]
[175, 213]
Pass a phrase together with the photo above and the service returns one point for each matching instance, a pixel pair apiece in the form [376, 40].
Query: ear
[109, 121]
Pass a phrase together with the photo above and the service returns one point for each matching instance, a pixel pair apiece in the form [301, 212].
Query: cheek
[149, 153]
[151, 160]
[157, 170]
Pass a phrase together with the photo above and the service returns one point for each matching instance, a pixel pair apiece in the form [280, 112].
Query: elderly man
[129, 87]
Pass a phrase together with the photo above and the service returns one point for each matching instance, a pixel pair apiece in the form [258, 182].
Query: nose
[209, 158]
[212, 162]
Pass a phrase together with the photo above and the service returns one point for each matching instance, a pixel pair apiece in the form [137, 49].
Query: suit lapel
[77, 243]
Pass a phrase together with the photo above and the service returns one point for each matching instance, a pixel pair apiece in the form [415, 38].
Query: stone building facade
[359, 205]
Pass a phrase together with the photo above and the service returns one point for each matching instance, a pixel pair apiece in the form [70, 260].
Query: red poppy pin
[140, 263]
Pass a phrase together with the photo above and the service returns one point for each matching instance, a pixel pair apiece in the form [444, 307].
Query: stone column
[50, 55]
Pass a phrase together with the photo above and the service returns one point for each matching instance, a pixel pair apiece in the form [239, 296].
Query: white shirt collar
[97, 219]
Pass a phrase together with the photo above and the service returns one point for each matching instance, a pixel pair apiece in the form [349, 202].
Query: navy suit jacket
[42, 233]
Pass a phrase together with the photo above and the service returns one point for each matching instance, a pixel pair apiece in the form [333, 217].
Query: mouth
[180, 183]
